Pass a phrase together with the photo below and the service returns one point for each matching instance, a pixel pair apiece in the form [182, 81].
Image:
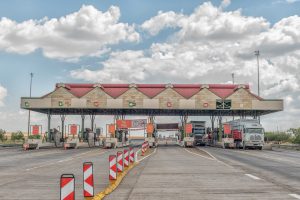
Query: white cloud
[207, 22]
[88, 32]
[208, 46]
[225, 3]
[162, 20]
[3, 94]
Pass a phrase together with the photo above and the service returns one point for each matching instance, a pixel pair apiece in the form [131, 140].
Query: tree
[3, 136]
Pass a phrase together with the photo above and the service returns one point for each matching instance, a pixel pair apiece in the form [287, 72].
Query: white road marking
[64, 160]
[297, 196]
[253, 177]
[199, 155]
[213, 157]
[147, 155]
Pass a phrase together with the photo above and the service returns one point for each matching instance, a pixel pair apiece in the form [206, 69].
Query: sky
[141, 41]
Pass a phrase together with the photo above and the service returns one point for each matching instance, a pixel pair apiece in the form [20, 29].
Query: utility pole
[232, 78]
[257, 58]
[31, 76]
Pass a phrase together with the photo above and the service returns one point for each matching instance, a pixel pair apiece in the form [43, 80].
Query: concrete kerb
[114, 184]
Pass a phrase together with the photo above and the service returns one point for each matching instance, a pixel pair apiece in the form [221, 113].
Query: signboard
[124, 124]
[227, 129]
[73, 129]
[171, 126]
[111, 128]
[35, 129]
[150, 128]
[188, 128]
[139, 123]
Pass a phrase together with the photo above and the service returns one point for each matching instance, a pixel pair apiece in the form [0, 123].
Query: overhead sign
[171, 126]
[124, 124]
[139, 123]
[227, 129]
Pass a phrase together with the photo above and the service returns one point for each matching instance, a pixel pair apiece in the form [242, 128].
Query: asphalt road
[172, 172]
[177, 173]
[35, 174]
[280, 167]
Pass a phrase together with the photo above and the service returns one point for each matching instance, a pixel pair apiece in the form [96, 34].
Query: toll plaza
[121, 100]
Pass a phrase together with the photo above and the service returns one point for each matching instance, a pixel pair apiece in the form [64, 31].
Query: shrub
[34, 137]
[278, 137]
[3, 136]
[297, 139]
[17, 136]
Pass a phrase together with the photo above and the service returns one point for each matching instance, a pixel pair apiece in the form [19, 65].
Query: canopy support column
[63, 118]
[82, 125]
[49, 125]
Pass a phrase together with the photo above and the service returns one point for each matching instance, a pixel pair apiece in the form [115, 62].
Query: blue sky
[15, 66]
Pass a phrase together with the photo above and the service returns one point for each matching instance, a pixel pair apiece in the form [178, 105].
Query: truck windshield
[254, 130]
[198, 131]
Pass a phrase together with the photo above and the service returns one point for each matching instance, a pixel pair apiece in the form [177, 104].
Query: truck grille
[252, 137]
[257, 137]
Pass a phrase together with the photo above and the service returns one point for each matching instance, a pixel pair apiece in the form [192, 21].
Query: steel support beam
[63, 118]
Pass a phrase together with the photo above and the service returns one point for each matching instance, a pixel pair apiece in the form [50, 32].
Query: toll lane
[36, 176]
[177, 173]
[279, 167]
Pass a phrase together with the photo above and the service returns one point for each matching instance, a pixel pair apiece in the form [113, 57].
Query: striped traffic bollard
[143, 149]
[67, 187]
[120, 164]
[112, 167]
[131, 155]
[88, 179]
[126, 158]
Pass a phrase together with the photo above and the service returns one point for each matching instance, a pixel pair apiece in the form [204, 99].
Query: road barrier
[126, 158]
[131, 155]
[120, 163]
[67, 187]
[88, 179]
[143, 148]
[112, 167]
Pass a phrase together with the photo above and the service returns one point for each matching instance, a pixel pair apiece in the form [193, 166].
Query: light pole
[31, 76]
[257, 58]
[232, 78]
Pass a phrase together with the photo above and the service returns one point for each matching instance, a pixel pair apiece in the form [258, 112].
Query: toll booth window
[223, 104]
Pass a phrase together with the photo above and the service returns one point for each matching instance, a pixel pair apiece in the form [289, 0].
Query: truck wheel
[259, 148]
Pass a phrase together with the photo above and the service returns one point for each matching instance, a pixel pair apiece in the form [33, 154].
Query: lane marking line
[147, 155]
[199, 155]
[253, 177]
[216, 159]
[297, 196]
[64, 160]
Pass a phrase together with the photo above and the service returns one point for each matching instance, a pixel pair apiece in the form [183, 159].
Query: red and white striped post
[120, 164]
[88, 179]
[112, 167]
[143, 148]
[126, 158]
[67, 187]
[131, 155]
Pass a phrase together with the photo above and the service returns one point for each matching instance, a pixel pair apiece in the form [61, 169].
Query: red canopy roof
[151, 90]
